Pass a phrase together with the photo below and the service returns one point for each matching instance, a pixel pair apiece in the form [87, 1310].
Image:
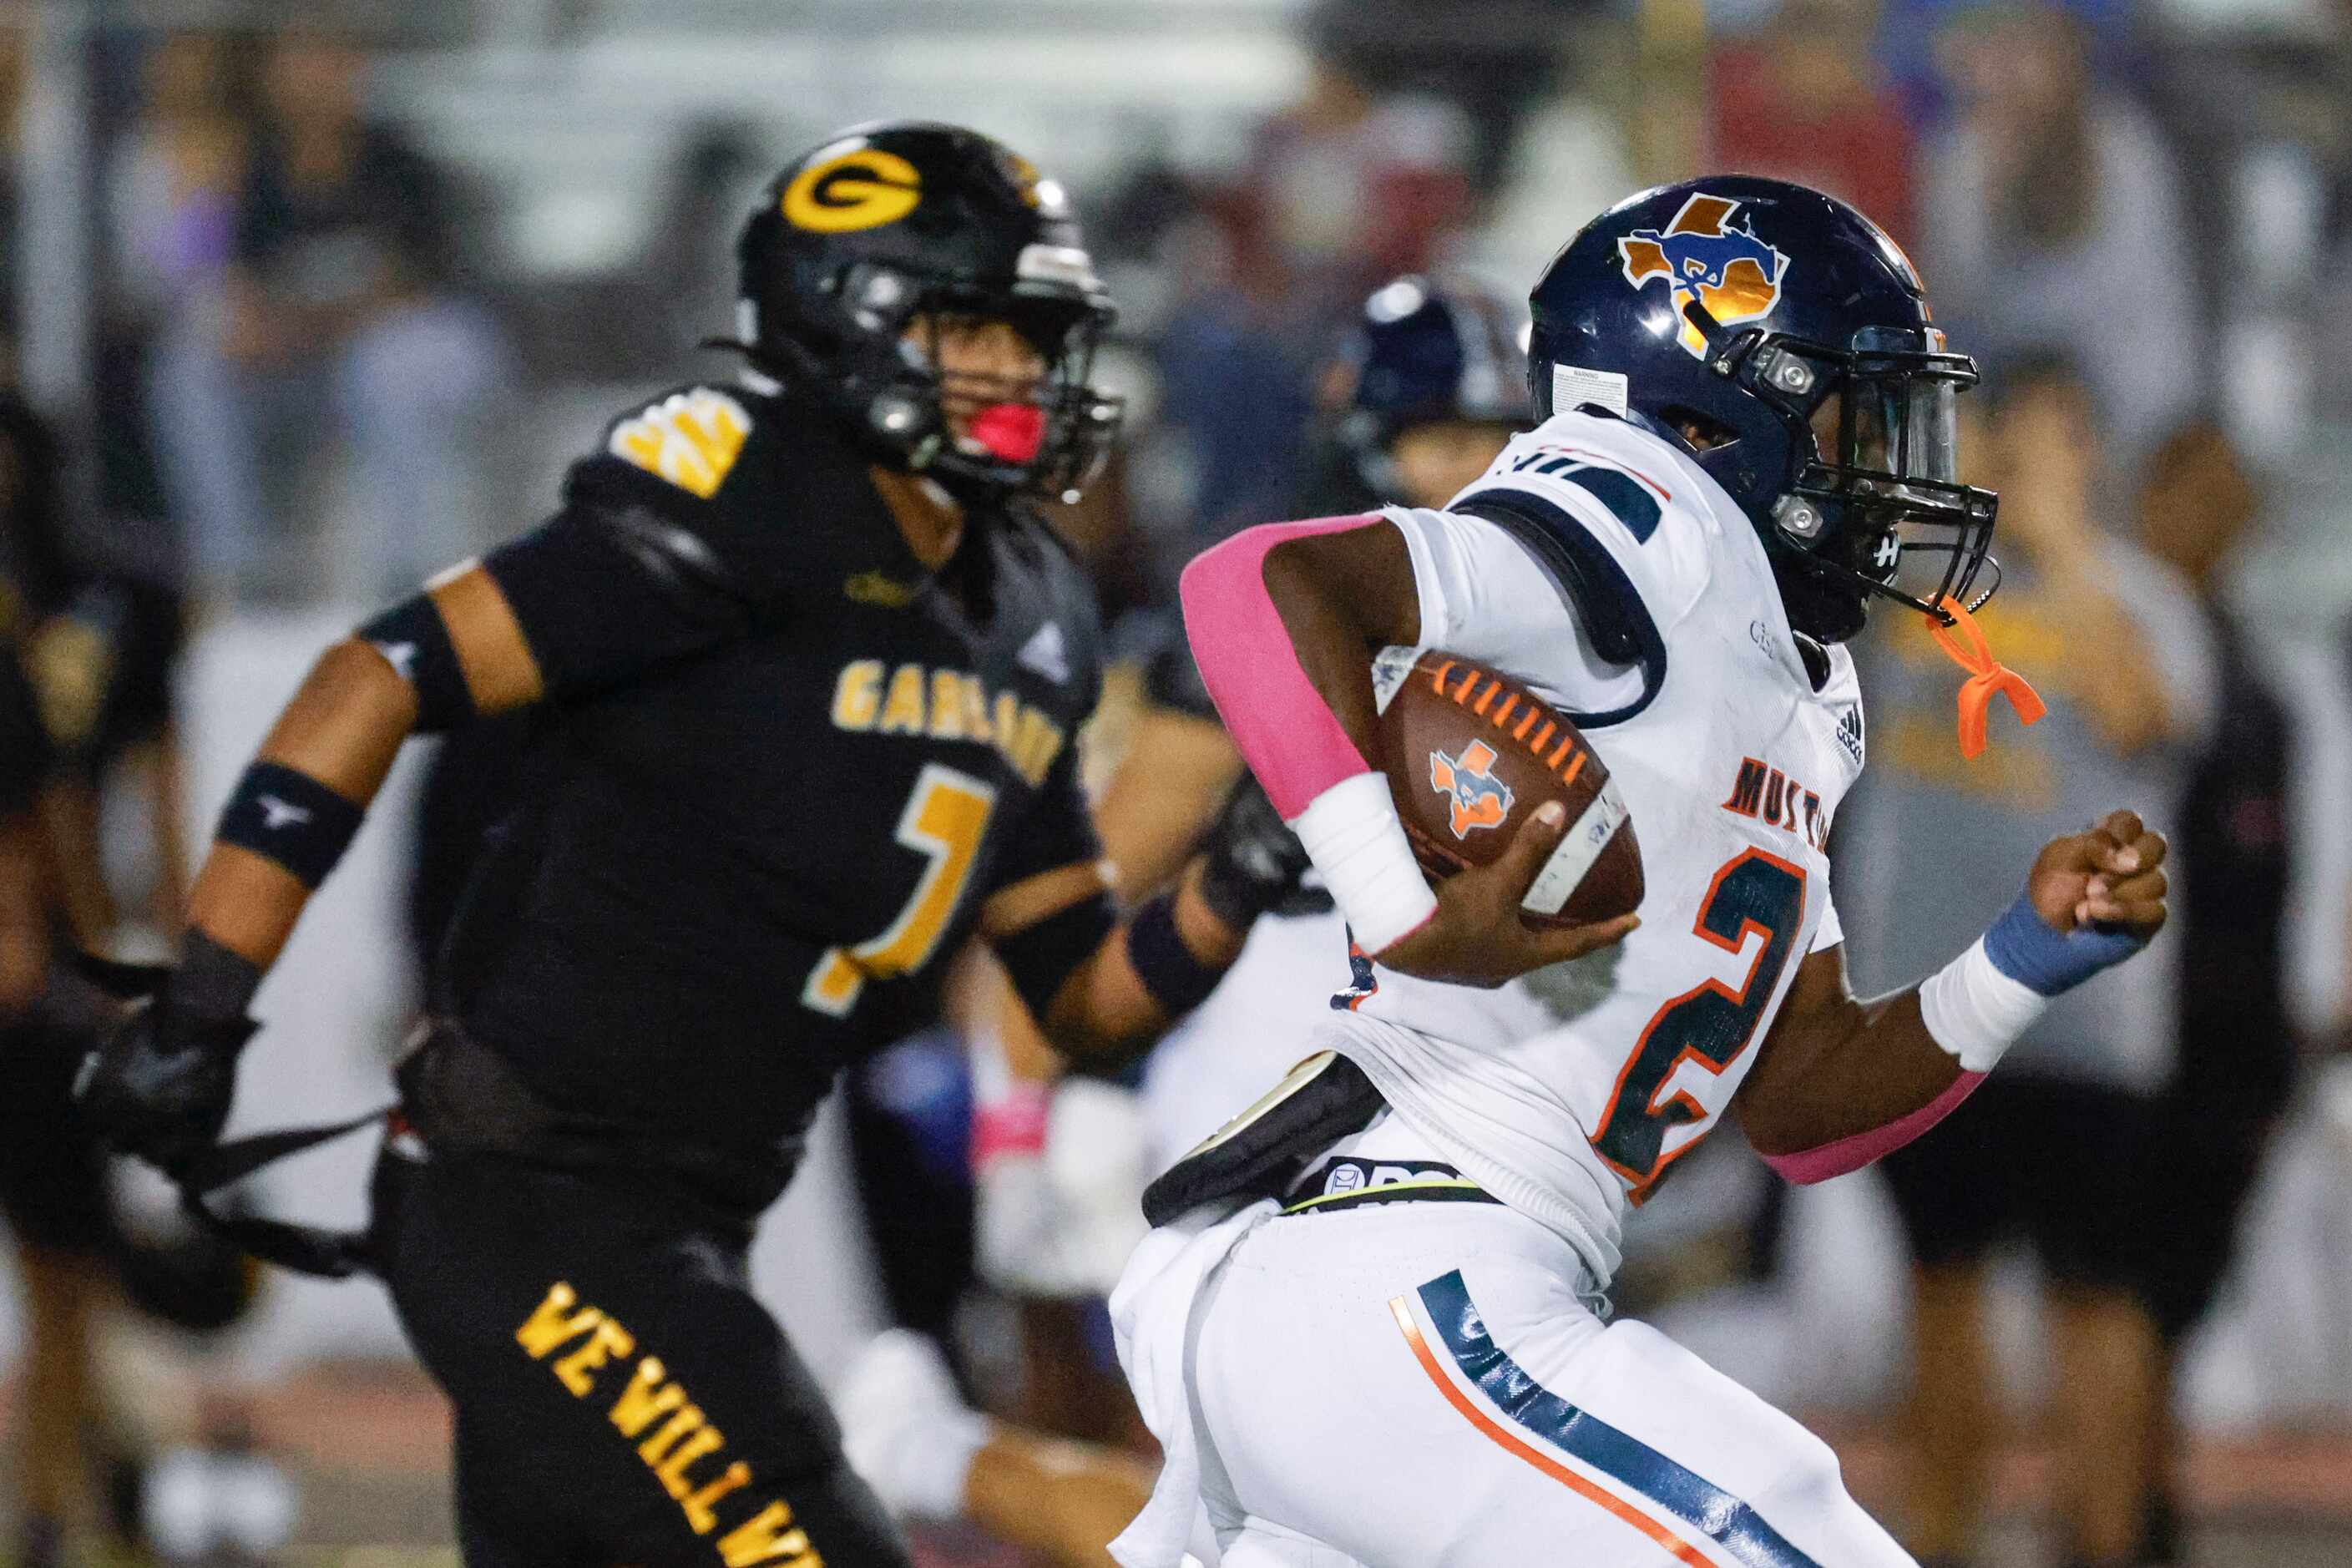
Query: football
[1471, 753]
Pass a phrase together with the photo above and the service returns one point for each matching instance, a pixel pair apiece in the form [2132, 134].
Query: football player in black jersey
[805, 675]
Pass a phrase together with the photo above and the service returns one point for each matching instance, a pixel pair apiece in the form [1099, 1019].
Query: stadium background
[571, 174]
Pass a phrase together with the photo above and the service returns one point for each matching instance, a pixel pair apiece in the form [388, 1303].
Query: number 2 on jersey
[1708, 1027]
[944, 819]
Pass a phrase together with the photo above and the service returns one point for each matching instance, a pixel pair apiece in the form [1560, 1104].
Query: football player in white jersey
[1426, 389]
[1371, 1327]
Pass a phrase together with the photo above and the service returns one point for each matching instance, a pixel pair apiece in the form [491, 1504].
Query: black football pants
[620, 1396]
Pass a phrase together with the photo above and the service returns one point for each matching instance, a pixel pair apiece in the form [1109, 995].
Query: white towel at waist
[1151, 1314]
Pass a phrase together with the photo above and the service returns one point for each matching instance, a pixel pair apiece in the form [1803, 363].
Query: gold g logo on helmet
[861, 189]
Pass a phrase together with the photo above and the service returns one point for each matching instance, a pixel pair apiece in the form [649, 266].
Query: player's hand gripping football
[1477, 937]
[2109, 879]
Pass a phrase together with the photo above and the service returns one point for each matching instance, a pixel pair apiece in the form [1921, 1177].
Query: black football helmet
[884, 223]
[1426, 352]
[1732, 309]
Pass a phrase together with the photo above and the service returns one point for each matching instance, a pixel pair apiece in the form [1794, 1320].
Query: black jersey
[779, 769]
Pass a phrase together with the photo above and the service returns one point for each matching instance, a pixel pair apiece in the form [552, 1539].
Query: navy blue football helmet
[1425, 351]
[1726, 313]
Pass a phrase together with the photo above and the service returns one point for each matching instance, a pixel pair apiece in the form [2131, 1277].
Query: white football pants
[1418, 1385]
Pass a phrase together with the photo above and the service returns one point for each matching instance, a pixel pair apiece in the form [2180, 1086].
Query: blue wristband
[2023, 946]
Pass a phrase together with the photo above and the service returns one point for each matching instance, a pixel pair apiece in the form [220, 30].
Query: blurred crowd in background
[302, 305]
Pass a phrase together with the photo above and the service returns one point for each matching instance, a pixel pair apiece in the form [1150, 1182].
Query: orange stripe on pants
[1677, 1547]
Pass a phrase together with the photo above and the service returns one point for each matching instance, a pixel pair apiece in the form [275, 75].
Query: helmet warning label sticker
[1574, 386]
[862, 189]
[1736, 276]
[690, 438]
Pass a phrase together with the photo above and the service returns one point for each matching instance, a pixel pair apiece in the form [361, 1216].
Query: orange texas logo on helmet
[1736, 276]
[865, 188]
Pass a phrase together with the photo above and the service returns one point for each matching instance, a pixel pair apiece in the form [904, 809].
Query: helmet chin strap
[1816, 602]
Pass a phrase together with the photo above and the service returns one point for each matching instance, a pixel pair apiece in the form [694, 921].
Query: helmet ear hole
[1702, 433]
[879, 297]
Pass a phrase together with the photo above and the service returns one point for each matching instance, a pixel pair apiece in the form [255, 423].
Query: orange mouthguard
[1987, 675]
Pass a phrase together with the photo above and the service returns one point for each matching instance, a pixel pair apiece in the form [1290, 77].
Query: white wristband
[1351, 833]
[1974, 1011]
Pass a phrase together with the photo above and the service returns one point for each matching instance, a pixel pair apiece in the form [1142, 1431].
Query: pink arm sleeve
[1280, 723]
[1852, 1153]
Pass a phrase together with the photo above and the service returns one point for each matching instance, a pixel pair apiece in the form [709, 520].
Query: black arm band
[414, 641]
[1177, 980]
[1040, 957]
[292, 818]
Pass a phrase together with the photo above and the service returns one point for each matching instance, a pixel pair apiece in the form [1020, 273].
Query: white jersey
[1570, 1089]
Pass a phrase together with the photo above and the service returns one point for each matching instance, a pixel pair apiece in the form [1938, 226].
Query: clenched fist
[2110, 878]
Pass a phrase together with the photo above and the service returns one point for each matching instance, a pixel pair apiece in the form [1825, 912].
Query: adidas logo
[1045, 654]
[1849, 732]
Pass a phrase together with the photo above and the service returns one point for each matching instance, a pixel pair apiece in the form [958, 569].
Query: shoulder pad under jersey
[680, 449]
[1618, 524]
[1591, 480]
[760, 480]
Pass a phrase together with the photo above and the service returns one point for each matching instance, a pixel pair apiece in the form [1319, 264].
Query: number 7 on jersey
[946, 815]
